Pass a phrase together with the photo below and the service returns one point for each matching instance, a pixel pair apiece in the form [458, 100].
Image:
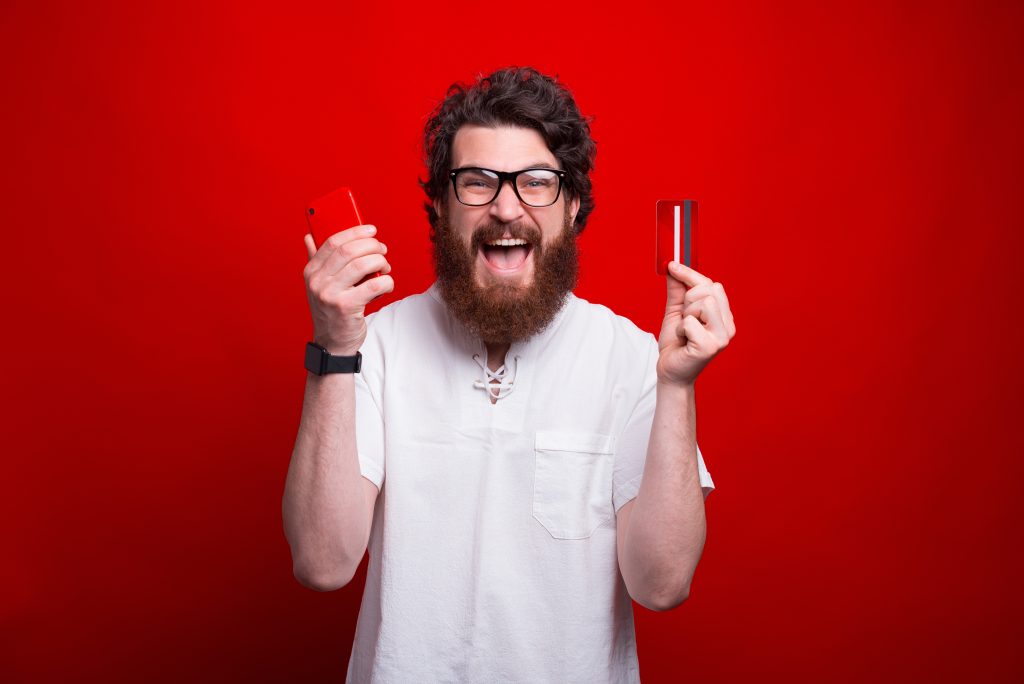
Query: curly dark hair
[518, 96]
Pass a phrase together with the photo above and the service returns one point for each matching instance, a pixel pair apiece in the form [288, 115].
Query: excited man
[519, 462]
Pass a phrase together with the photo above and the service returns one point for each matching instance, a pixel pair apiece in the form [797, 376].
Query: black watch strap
[320, 362]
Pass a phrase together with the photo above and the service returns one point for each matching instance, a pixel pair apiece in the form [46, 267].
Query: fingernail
[369, 230]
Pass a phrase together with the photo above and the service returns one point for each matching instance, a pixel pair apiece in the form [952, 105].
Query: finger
[356, 270]
[726, 309]
[357, 297]
[717, 291]
[712, 317]
[691, 330]
[351, 250]
[307, 239]
[373, 288]
[708, 313]
[687, 275]
[699, 292]
[335, 241]
[692, 309]
[676, 292]
[354, 299]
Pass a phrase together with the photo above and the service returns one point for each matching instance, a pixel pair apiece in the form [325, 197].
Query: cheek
[459, 227]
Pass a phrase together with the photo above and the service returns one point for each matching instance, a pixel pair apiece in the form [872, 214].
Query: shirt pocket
[572, 485]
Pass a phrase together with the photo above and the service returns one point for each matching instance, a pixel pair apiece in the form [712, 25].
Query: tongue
[506, 257]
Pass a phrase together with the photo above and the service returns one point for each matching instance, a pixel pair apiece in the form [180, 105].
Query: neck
[496, 354]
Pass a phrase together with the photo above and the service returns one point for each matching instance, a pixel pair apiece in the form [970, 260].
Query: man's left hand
[698, 324]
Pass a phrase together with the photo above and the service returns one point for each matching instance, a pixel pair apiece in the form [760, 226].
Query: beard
[502, 312]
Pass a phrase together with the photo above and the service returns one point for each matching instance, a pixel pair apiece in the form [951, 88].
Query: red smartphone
[676, 238]
[331, 214]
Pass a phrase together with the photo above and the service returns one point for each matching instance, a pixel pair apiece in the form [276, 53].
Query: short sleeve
[631, 451]
[369, 416]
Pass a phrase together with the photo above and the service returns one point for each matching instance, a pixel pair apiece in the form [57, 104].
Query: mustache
[496, 231]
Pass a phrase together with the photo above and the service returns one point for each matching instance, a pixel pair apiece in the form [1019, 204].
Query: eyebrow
[535, 165]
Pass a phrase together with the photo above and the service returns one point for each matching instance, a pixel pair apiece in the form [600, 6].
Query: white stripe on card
[675, 234]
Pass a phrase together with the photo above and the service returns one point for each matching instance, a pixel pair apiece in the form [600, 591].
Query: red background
[859, 169]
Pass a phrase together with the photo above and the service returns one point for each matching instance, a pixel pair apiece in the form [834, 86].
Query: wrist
[320, 361]
[337, 348]
[671, 388]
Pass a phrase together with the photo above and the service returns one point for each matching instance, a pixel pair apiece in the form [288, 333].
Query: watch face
[315, 356]
[320, 362]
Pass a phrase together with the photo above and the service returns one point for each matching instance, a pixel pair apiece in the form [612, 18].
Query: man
[519, 462]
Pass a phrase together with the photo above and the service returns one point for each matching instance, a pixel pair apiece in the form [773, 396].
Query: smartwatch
[320, 362]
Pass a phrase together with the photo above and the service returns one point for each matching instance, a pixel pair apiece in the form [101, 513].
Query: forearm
[666, 530]
[324, 512]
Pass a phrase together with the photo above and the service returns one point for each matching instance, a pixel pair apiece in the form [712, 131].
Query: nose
[506, 207]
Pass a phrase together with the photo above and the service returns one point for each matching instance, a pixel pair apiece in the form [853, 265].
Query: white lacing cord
[495, 390]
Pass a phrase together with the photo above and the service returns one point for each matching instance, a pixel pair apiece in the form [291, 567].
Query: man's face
[504, 293]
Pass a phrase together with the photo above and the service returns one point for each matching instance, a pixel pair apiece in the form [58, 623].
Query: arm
[660, 534]
[327, 505]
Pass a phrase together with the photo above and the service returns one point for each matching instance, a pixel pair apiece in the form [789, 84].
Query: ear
[574, 207]
[438, 207]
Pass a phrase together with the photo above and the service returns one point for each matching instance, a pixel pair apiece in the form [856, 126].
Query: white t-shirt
[493, 549]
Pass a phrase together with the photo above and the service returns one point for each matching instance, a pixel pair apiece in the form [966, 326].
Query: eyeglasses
[476, 187]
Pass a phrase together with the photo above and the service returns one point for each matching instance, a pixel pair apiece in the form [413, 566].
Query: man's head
[510, 121]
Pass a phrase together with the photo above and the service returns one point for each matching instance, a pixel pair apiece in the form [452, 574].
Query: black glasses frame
[503, 176]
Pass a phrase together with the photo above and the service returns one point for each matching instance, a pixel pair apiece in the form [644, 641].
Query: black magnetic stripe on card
[686, 232]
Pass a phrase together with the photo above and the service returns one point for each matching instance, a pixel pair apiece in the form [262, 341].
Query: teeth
[506, 243]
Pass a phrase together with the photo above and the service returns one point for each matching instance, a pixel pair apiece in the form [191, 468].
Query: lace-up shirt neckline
[498, 383]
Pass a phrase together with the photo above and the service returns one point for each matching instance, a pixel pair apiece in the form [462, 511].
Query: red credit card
[332, 214]
[676, 222]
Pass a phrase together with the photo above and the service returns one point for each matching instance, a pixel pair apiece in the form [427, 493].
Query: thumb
[675, 291]
[310, 245]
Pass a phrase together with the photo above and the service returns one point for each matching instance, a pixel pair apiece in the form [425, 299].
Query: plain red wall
[859, 169]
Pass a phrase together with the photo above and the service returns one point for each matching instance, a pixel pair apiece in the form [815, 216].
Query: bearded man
[519, 463]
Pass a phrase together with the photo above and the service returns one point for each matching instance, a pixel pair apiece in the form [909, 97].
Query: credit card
[676, 231]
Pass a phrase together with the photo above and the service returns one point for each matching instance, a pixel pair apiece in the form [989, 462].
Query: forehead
[501, 148]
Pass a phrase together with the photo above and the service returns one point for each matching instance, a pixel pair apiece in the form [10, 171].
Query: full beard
[499, 312]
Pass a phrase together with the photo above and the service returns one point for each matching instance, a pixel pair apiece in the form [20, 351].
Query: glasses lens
[538, 187]
[476, 186]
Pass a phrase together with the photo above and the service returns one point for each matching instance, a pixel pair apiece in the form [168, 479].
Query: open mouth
[506, 254]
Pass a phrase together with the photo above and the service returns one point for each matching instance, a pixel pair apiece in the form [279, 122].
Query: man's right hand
[335, 300]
